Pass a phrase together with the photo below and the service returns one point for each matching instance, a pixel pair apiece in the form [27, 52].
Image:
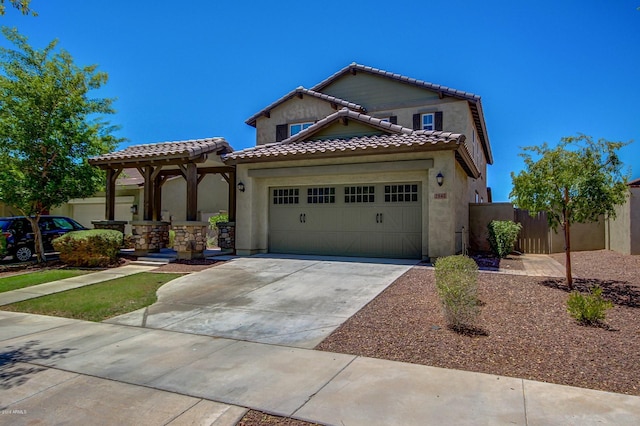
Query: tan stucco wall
[382, 98]
[623, 232]
[213, 196]
[438, 235]
[480, 215]
[584, 237]
[295, 110]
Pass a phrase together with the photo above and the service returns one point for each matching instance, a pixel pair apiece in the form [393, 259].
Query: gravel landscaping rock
[526, 331]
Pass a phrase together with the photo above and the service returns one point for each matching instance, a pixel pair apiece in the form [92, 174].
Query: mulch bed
[525, 330]
[255, 418]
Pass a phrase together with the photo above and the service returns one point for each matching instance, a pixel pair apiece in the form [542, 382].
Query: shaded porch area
[192, 160]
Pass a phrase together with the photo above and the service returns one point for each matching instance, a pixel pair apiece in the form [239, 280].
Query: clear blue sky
[185, 70]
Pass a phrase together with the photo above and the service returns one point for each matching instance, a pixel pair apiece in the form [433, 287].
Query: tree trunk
[38, 244]
[567, 252]
[566, 225]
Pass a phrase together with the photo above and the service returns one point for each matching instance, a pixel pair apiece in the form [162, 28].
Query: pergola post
[157, 198]
[191, 176]
[110, 193]
[232, 196]
[147, 212]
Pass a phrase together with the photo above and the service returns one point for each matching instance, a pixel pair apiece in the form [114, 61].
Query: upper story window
[298, 127]
[428, 122]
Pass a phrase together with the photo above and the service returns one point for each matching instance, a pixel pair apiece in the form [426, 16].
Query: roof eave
[439, 146]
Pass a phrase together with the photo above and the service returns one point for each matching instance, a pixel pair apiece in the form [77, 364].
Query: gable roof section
[195, 150]
[347, 114]
[634, 183]
[396, 140]
[475, 102]
[300, 91]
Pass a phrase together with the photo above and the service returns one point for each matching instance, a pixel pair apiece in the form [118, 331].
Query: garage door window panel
[325, 195]
[401, 193]
[359, 194]
[286, 196]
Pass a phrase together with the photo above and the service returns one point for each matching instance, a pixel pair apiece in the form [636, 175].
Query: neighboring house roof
[300, 91]
[130, 177]
[475, 102]
[163, 153]
[634, 183]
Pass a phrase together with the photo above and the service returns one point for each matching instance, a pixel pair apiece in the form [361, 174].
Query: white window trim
[433, 120]
[303, 126]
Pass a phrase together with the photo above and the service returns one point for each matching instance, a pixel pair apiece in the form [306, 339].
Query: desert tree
[21, 5]
[577, 181]
[49, 127]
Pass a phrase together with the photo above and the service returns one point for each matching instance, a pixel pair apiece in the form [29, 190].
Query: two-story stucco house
[365, 163]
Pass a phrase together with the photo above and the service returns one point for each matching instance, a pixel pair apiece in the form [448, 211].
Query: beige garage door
[377, 220]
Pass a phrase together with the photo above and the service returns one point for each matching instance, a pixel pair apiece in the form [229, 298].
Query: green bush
[590, 308]
[3, 246]
[172, 238]
[457, 287]
[502, 236]
[95, 247]
[213, 220]
[213, 224]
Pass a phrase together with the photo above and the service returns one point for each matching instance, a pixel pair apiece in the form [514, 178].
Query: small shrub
[502, 236]
[213, 224]
[172, 238]
[590, 308]
[92, 248]
[221, 217]
[457, 287]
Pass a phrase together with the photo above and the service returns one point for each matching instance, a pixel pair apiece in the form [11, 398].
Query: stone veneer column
[191, 239]
[226, 235]
[115, 225]
[149, 236]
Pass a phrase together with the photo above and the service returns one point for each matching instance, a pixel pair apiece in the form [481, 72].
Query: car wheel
[23, 253]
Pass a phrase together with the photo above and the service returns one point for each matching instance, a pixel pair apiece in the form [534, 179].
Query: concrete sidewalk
[59, 370]
[32, 292]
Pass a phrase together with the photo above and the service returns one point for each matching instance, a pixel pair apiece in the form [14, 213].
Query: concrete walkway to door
[286, 300]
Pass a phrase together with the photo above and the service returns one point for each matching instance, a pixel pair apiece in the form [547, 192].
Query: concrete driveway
[285, 300]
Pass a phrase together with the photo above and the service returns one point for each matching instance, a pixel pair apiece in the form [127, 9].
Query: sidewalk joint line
[323, 386]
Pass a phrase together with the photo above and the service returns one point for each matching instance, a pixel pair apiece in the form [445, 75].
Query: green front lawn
[100, 301]
[15, 282]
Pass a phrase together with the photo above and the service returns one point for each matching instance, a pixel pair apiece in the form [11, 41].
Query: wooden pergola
[158, 162]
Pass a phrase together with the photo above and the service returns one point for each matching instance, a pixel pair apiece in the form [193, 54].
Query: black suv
[20, 241]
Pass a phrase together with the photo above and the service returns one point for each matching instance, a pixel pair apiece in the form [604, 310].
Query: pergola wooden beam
[110, 193]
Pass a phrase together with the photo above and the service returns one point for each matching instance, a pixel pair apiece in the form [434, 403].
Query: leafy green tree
[49, 126]
[576, 182]
[21, 5]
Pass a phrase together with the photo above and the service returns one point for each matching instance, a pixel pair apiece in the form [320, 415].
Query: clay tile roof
[354, 67]
[302, 91]
[164, 151]
[357, 145]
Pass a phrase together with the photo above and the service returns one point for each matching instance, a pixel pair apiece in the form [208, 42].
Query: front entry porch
[192, 160]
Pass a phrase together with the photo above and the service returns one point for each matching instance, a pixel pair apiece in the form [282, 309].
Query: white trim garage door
[371, 220]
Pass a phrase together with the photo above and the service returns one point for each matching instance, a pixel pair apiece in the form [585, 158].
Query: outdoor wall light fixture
[439, 178]
[134, 209]
[241, 187]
